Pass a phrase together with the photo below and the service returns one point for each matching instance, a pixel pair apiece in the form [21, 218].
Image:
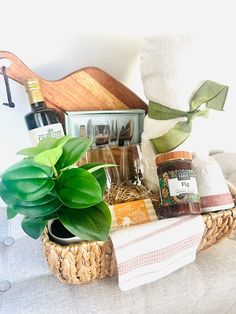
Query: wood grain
[89, 88]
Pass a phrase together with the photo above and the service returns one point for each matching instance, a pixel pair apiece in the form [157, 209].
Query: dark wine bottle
[41, 121]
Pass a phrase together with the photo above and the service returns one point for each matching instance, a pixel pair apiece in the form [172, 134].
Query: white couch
[207, 286]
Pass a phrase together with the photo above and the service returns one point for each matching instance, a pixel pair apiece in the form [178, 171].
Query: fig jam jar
[178, 186]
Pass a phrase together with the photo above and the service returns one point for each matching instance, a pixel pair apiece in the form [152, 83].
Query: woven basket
[79, 263]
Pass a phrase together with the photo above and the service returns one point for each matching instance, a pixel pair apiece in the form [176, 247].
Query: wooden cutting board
[89, 88]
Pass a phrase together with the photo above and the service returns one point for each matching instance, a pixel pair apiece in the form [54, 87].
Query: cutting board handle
[17, 70]
[89, 88]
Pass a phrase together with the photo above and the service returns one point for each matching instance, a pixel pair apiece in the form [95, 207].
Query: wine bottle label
[52, 130]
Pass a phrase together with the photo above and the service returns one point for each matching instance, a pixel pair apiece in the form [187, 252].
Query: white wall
[55, 38]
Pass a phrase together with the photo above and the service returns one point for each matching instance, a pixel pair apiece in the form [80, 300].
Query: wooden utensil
[89, 88]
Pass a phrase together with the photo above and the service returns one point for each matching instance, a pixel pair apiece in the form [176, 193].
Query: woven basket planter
[84, 261]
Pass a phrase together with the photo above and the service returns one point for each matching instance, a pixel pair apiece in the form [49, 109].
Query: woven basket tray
[85, 261]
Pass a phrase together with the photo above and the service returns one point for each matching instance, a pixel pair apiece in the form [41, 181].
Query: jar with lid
[178, 186]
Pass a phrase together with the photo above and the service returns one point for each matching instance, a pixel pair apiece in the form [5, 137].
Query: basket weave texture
[84, 261]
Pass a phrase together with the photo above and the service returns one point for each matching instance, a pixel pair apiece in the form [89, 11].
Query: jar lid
[173, 156]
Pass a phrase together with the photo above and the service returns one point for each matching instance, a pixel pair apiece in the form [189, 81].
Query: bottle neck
[38, 105]
[36, 99]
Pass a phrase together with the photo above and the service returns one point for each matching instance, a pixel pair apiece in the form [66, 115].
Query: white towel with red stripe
[151, 251]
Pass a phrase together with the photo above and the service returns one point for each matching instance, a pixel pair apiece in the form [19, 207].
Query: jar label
[52, 130]
[178, 186]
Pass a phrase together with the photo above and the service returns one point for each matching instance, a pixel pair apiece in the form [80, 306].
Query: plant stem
[55, 171]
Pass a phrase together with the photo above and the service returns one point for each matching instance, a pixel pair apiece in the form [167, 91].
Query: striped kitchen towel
[151, 251]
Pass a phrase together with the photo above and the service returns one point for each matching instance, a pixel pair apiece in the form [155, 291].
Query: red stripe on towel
[124, 280]
[154, 233]
[158, 255]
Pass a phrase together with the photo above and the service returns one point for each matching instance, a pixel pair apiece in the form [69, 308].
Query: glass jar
[178, 186]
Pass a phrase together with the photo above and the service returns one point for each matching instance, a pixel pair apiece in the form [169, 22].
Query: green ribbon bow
[211, 94]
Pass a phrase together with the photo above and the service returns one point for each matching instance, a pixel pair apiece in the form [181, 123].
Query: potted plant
[48, 186]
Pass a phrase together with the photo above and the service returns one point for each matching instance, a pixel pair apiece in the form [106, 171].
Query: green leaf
[60, 142]
[2, 188]
[45, 144]
[91, 223]
[101, 166]
[161, 112]
[30, 151]
[28, 180]
[211, 93]
[41, 207]
[77, 188]
[173, 138]
[101, 177]
[49, 157]
[98, 173]
[73, 151]
[34, 226]
[40, 210]
[12, 200]
[11, 212]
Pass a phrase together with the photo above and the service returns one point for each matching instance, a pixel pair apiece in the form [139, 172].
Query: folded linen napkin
[148, 252]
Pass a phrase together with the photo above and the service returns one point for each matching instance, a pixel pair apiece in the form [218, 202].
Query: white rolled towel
[173, 67]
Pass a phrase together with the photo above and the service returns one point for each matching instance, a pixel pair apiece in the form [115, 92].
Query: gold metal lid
[32, 87]
[32, 84]
[174, 155]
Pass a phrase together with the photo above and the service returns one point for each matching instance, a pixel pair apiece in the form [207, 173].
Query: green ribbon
[211, 94]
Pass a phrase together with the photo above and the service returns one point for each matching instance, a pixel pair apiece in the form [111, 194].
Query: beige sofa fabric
[206, 286]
